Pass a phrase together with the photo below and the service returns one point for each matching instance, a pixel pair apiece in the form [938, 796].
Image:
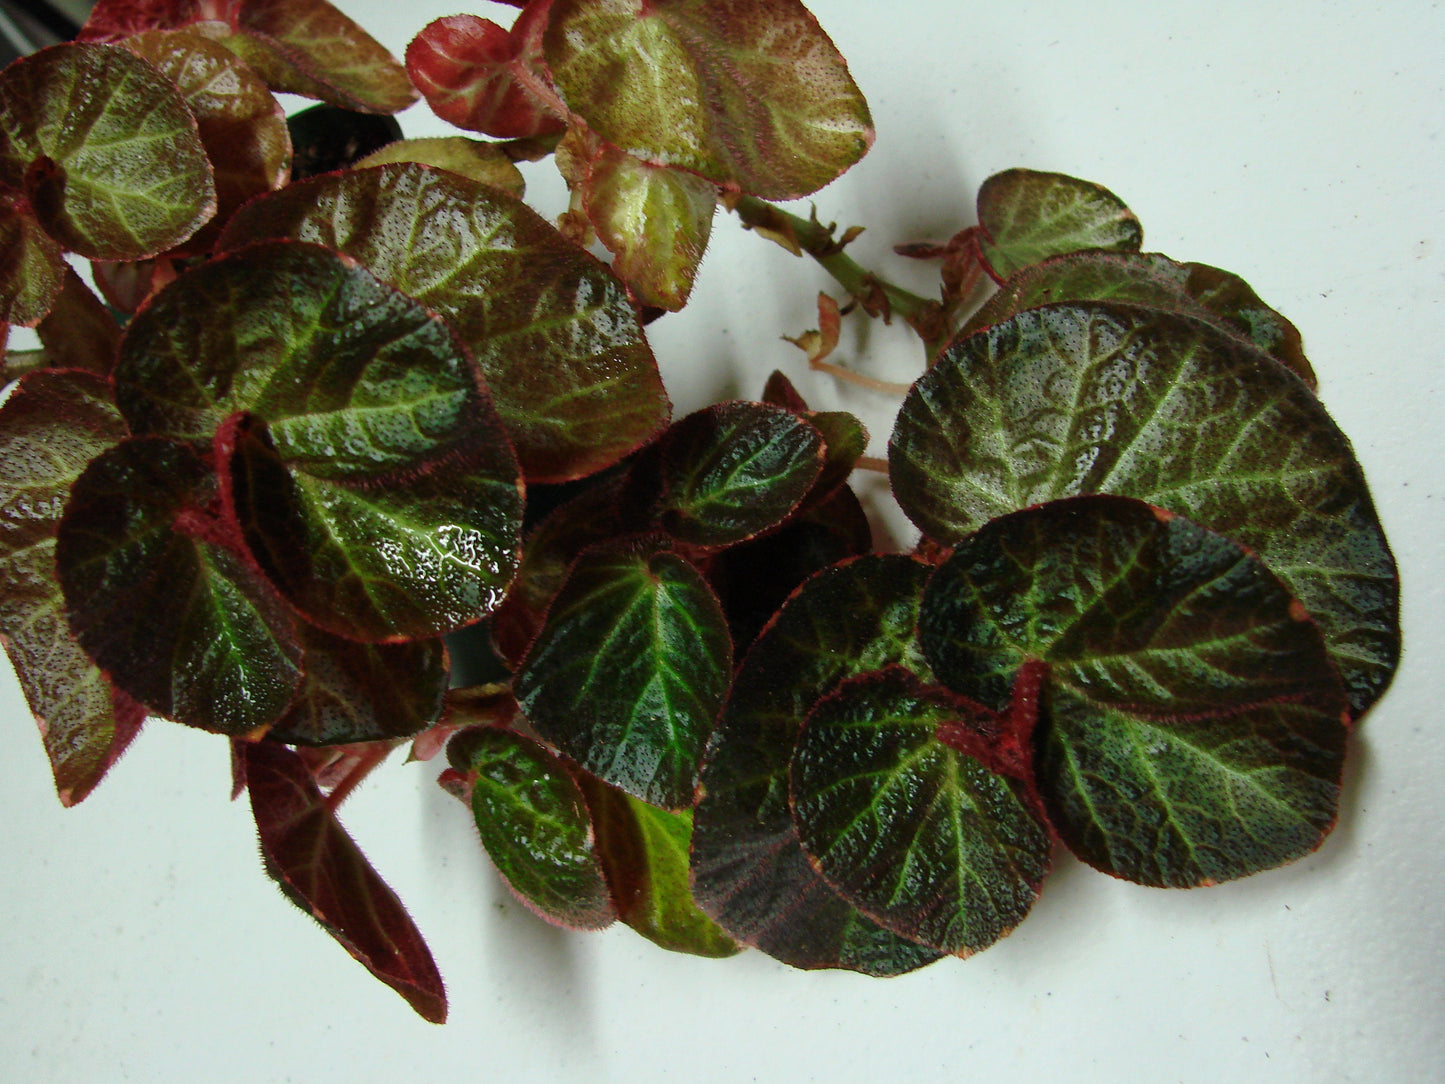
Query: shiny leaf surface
[1096, 398]
[629, 671]
[557, 339]
[32, 263]
[747, 93]
[1191, 728]
[1026, 216]
[472, 158]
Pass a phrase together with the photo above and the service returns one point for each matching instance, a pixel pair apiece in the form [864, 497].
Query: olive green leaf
[1026, 216]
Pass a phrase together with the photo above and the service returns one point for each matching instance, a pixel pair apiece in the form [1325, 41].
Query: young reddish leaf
[553, 330]
[352, 692]
[734, 470]
[322, 871]
[51, 426]
[84, 126]
[159, 595]
[534, 824]
[1156, 282]
[380, 494]
[1026, 216]
[749, 871]
[241, 125]
[654, 220]
[1101, 398]
[748, 93]
[304, 47]
[78, 332]
[629, 672]
[32, 264]
[472, 158]
[127, 286]
[479, 77]
[1191, 727]
[923, 838]
[644, 853]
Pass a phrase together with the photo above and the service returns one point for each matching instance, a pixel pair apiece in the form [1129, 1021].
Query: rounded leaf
[32, 264]
[1191, 728]
[1099, 398]
[106, 150]
[1026, 216]
[747, 93]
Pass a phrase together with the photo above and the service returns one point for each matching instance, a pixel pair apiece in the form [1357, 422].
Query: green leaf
[734, 470]
[654, 220]
[353, 692]
[374, 484]
[474, 159]
[83, 130]
[1101, 398]
[32, 264]
[160, 597]
[79, 332]
[629, 672]
[644, 852]
[51, 425]
[241, 125]
[1027, 216]
[1191, 728]
[534, 823]
[750, 93]
[553, 330]
[322, 871]
[749, 871]
[923, 838]
[1157, 282]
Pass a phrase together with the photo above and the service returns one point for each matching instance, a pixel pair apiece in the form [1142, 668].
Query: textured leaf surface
[241, 125]
[472, 158]
[654, 220]
[923, 838]
[483, 78]
[51, 426]
[1027, 216]
[749, 871]
[84, 128]
[380, 493]
[323, 872]
[645, 855]
[1155, 281]
[304, 47]
[352, 692]
[629, 671]
[733, 470]
[553, 330]
[159, 598]
[32, 263]
[535, 825]
[1096, 398]
[747, 92]
[1191, 728]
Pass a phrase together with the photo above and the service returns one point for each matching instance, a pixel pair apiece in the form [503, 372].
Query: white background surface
[1297, 144]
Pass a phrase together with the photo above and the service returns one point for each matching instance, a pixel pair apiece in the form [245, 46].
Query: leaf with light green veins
[747, 93]
[749, 871]
[159, 596]
[373, 482]
[923, 838]
[32, 263]
[474, 159]
[1026, 216]
[106, 150]
[52, 425]
[654, 220]
[1102, 398]
[534, 824]
[1156, 282]
[644, 852]
[1191, 728]
[556, 336]
[734, 470]
[630, 669]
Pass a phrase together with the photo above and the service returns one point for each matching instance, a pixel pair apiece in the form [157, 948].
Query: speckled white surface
[1300, 145]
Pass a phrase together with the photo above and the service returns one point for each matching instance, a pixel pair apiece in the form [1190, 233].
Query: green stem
[876, 294]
